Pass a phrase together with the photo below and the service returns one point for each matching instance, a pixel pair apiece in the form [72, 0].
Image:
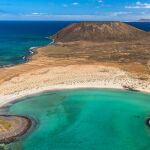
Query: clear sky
[123, 10]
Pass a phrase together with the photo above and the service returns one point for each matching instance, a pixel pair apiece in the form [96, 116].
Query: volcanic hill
[143, 20]
[99, 32]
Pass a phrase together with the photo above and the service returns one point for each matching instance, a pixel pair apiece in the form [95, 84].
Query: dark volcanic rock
[148, 122]
[99, 32]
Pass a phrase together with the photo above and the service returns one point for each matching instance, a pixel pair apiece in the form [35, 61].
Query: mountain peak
[99, 32]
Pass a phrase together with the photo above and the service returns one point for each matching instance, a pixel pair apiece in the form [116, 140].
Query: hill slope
[99, 32]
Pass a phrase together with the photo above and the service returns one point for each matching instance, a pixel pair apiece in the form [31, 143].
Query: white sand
[68, 77]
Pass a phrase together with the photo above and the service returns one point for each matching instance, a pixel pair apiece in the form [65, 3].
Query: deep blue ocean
[17, 38]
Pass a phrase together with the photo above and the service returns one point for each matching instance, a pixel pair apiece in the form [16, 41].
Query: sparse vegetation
[4, 125]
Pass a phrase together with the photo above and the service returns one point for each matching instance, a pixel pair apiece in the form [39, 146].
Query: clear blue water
[16, 38]
[87, 119]
[141, 25]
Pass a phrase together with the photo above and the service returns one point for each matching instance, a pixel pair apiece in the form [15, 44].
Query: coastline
[16, 97]
[19, 126]
[41, 74]
[75, 65]
[11, 98]
[26, 58]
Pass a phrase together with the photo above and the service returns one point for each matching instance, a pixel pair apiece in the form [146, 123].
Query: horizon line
[71, 20]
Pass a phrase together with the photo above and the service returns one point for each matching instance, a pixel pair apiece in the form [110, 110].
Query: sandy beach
[79, 64]
[47, 78]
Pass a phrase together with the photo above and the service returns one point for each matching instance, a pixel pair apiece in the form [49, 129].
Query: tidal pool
[85, 119]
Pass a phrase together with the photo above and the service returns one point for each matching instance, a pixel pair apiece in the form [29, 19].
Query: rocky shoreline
[13, 127]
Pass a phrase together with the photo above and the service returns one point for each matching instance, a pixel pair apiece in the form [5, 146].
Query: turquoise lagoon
[85, 119]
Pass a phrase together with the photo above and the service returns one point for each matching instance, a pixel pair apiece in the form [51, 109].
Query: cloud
[75, 3]
[120, 13]
[39, 14]
[65, 5]
[100, 1]
[35, 13]
[139, 5]
[114, 16]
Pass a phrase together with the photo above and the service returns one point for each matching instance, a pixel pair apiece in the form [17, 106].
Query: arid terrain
[101, 55]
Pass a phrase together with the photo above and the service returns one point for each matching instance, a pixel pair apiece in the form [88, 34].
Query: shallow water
[87, 119]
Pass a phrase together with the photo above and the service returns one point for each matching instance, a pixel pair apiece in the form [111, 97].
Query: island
[143, 20]
[83, 55]
[12, 127]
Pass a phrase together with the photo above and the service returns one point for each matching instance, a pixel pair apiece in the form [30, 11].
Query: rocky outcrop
[12, 127]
